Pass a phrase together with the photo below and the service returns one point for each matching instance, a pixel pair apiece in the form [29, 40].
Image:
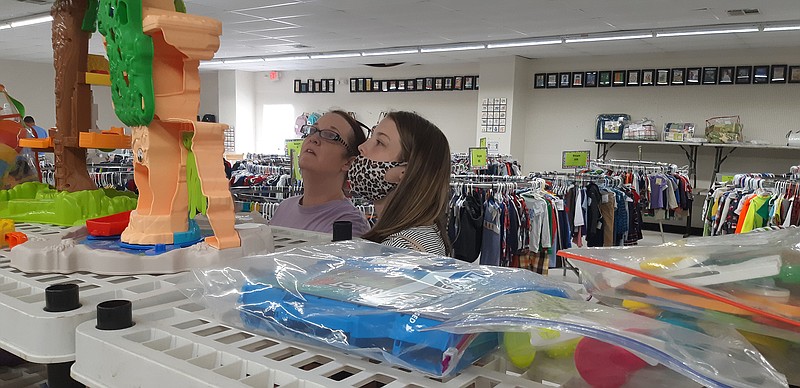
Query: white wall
[454, 112]
[33, 84]
[560, 119]
[209, 95]
[245, 111]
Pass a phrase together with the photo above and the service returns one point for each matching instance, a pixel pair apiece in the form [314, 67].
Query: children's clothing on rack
[511, 224]
[751, 201]
[496, 165]
[600, 209]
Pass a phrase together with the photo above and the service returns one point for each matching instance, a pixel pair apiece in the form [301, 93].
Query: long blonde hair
[421, 197]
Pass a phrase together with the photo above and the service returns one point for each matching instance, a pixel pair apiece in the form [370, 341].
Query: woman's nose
[362, 147]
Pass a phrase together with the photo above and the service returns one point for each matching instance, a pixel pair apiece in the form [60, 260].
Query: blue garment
[490, 246]
[620, 213]
[41, 133]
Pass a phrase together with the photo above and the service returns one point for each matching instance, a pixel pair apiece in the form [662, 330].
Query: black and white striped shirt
[418, 238]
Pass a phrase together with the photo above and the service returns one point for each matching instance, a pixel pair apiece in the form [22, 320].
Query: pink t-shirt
[320, 218]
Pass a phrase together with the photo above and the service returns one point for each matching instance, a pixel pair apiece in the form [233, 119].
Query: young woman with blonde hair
[404, 168]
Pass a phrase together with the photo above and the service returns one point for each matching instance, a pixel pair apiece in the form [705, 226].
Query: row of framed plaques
[458, 82]
[315, 86]
[722, 75]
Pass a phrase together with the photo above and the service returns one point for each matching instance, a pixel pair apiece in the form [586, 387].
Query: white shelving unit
[179, 345]
[42, 337]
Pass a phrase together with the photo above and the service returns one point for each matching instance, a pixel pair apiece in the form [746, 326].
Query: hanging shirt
[658, 185]
[755, 215]
[490, 246]
[578, 219]
[468, 235]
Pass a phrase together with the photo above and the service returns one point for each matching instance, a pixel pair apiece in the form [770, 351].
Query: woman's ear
[348, 164]
[395, 174]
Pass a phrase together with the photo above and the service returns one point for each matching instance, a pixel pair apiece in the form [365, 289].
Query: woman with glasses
[329, 148]
[404, 168]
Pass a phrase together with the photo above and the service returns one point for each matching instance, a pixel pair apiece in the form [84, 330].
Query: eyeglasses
[327, 134]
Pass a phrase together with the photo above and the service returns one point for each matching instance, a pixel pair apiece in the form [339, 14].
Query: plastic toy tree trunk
[73, 97]
[180, 41]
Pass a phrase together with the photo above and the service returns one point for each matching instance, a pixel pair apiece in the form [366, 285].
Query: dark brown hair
[421, 197]
[359, 136]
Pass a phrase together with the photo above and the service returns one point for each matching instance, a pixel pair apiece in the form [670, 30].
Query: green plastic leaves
[130, 59]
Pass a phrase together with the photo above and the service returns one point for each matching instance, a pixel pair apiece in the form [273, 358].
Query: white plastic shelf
[35, 335]
[23, 376]
[179, 345]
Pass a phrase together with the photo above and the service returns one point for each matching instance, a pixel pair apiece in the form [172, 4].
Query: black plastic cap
[342, 230]
[58, 376]
[61, 297]
[114, 315]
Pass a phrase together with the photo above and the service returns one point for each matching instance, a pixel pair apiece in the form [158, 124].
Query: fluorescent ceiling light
[522, 43]
[773, 28]
[31, 21]
[286, 58]
[390, 52]
[463, 47]
[5, 26]
[242, 60]
[205, 64]
[334, 55]
[600, 38]
[706, 32]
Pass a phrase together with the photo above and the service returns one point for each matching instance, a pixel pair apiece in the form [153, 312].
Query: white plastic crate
[35, 335]
[179, 345]
[23, 376]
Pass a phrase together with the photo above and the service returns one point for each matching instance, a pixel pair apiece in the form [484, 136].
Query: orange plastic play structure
[180, 41]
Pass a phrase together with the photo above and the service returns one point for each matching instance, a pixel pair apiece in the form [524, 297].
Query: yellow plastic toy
[6, 226]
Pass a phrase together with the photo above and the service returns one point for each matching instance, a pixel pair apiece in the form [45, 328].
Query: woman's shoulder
[419, 238]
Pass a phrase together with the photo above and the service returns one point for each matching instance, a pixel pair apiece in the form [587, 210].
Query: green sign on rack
[293, 150]
[574, 159]
[478, 158]
[482, 143]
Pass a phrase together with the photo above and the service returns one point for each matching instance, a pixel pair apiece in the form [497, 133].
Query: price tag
[478, 158]
[574, 159]
[293, 149]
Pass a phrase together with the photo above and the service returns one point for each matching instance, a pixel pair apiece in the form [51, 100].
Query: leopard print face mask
[368, 178]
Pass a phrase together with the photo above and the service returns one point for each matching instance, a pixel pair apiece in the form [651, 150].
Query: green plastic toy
[130, 59]
[37, 202]
[198, 203]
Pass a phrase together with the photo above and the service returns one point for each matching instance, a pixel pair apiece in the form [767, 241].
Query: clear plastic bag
[724, 129]
[713, 359]
[643, 129]
[678, 131]
[750, 281]
[437, 315]
[365, 298]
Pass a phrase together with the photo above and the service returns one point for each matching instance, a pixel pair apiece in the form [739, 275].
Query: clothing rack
[636, 164]
[496, 163]
[487, 178]
[647, 166]
[274, 158]
[254, 168]
[740, 206]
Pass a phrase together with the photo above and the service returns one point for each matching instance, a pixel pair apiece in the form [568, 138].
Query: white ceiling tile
[332, 25]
